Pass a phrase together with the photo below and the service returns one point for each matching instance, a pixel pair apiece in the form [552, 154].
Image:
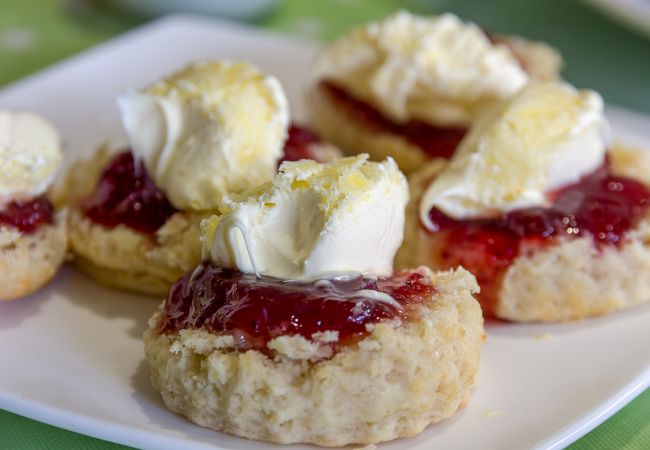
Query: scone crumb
[174, 225]
[492, 413]
[203, 343]
[297, 347]
[542, 337]
[326, 337]
[8, 236]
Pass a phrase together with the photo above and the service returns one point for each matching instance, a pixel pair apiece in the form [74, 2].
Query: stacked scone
[32, 233]
[296, 329]
[554, 223]
[409, 86]
[211, 128]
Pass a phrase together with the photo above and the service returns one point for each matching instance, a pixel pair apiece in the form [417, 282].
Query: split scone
[553, 225]
[32, 233]
[211, 128]
[295, 329]
[409, 86]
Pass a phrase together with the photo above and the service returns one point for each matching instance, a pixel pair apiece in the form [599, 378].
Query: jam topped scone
[211, 128]
[554, 226]
[32, 233]
[296, 329]
[409, 86]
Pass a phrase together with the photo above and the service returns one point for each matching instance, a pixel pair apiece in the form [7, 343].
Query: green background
[600, 54]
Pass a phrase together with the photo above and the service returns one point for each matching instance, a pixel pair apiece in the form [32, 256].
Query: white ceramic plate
[633, 13]
[72, 355]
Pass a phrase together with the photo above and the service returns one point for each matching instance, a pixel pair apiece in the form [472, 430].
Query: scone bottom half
[585, 255]
[296, 328]
[323, 362]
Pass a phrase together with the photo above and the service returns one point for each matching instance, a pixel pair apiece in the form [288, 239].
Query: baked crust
[28, 261]
[393, 383]
[337, 126]
[567, 280]
[121, 257]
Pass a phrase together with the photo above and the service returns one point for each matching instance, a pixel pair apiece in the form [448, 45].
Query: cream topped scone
[295, 327]
[211, 128]
[32, 234]
[553, 222]
[409, 86]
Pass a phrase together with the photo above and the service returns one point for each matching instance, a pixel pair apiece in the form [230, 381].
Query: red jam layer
[435, 142]
[27, 216]
[126, 195]
[299, 145]
[256, 310]
[601, 205]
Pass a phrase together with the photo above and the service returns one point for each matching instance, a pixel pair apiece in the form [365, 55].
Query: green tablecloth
[599, 53]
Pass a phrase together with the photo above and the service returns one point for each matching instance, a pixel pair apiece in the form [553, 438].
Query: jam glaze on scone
[32, 233]
[409, 87]
[140, 232]
[296, 329]
[554, 227]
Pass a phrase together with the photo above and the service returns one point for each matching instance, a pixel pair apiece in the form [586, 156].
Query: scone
[32, 233]
[554, 226]
[206, 130]
[408, 87]
[295, 329]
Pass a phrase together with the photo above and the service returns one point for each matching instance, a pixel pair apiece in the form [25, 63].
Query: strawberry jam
[27, 216]
[256, 310]
[601, 205]
[434, 141]
[126, 195]
[298, 145]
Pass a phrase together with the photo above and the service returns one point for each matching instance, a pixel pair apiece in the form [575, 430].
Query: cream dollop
[30, 155]
[313, 221]
[211, 128]
[546, 137]
[436, 69]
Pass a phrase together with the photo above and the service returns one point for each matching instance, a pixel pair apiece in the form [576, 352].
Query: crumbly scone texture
[393, 383]
[539, 60]
[121, 257]
[28, 261]
[565, 281]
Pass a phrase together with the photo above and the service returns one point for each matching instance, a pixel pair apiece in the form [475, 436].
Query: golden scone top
[210, 128]
[436, 69]
[547, 136]
[30, 155]
[313, 221]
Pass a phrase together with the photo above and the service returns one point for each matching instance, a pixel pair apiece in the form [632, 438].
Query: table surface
[600, 55]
